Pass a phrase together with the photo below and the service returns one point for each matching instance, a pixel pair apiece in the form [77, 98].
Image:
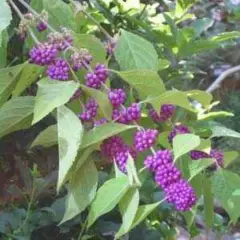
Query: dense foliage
[107, 129]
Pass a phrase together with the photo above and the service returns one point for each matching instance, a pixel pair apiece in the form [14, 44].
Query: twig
[216, 84]
[22, 18]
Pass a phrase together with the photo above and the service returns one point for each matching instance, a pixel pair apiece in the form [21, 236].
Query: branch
[216, 84]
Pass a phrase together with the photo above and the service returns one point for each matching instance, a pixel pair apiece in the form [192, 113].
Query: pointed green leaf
[219, 130]
[134, 52]
[201, 96]
[50, 95]
[108, 196]
[196, 167]
[205, 146]
[8, 80]
[5, 15]
[174, 97]
[142, 212]
[128, 208]
[46, 138]
[184, 143]
[29, 74]
[16, 114]
[132, 171]
[224, 185]
[70, 132]
[102, 100]
[147, 82]
[82, 190]
[102, 132]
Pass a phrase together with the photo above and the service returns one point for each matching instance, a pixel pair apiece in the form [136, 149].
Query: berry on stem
[178, 129]
[59, 70]
[166, 112]
[195, 155]
[181, 195]
[117, 97]
[43, 54]
[80, 59]
[143, 140]
[90, 111]
[100, 122]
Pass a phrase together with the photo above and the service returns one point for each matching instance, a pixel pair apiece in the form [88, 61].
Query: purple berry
[80, 59]
[121, 157]
[43, 54]
[41, 26]
[195, 155]
[117, 97]
[161, 157]
[59, 70]
[126, 115]
[93, 81]
[143, 140]
[166, 112]
[181, 194]
[219, 156]
[90, 110]
[100, 122]
[178, 129]
[101, 72]
[61, 40]
[167, 174]
[111, 146]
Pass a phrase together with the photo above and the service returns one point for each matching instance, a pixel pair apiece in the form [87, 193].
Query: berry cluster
[166, 112]
[143, 140]
[117, 97]
[178, 191]
[214, 153]
[114, 148]
[90, 110]
[58, 70]
[96, 78]
[178, 129]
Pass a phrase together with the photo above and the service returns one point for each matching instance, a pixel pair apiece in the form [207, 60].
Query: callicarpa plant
[134, 151]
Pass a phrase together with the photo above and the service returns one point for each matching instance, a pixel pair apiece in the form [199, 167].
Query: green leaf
[29, 74]
[208, 203]
[5, 15]
[205, 146]
[70, 132]
[182, 6]
[142, 212]
[132, 171]
[171, 97]
[229, 157]
[108, 196]
[94, 46]
[203, 97]
[4, 39]
[196, 167]
[8, 80]
[60, 14]
[224, 184]
[147, 82]
[16, 114]
[102, 132]
[163, 139]
[102, 100]
[226, 36]
[212, 115]
[201, 25]
[50, 95]
[219, 130]
[134, 52]
[128, 208]
[184, 143]
[46, 138]
[82, 190]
